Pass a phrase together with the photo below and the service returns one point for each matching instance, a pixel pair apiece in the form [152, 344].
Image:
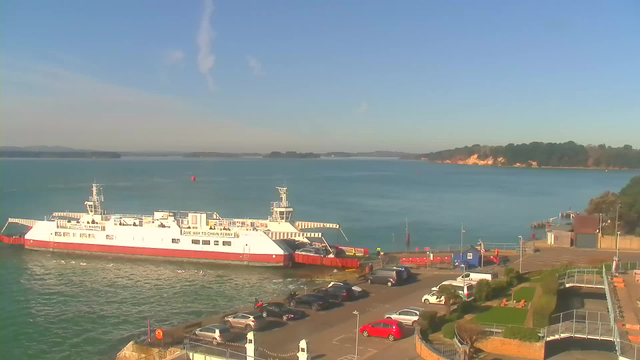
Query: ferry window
[58, 233]
[195, 242]
[92, 236]
[66, 234]
[226, 243]
[83, 235]
[175, 241]
[110, 237]
[216, 242]
[206, 242]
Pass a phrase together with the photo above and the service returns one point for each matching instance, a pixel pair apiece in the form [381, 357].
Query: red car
[391, 329]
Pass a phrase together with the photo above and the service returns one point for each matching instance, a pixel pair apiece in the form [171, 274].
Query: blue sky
[315, 76]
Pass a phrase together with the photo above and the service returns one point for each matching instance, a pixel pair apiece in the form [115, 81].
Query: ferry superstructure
[192, 235]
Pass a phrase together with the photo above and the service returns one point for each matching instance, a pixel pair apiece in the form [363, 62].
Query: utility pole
[481, 243]
[520, 254]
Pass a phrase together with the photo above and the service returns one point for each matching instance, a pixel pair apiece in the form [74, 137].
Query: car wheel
[389, 318]
[414, 323]
[248, 328]
[264, 314]
[284, 318]
[365, 333]
[215, 341]
[315, 307]
[391, 337]
[389, 284]
[426, 301]
[369, 281]
[228, 323]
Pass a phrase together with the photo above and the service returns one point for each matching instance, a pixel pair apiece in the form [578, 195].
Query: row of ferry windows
[81, 235]
[204, 242]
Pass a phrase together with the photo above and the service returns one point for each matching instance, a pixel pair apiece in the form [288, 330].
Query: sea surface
[56, 310]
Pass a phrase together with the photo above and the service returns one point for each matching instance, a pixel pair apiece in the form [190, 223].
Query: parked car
[315, 302]
[390, 277]
[356, 289]
[406, 272]
[466, 289]
[280, 310]
[310, 251]
[407, 316]
[391, 329]
[433, 298]
[477, 276]
[337, 293]
[249, 321]
[215, 333]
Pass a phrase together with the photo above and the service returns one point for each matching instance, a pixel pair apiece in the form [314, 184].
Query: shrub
[498, 287]
[483, 290]
[456, 315]
[466, 307]
[521, 333]
[542, 309]
[449, 330]
[512, 276]
[427, 321]
[549, 283]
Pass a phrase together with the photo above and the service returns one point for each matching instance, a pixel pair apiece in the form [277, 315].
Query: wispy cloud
[363, 108]
[255, 66]
[67, 107]
[206, 61]
[174, 57]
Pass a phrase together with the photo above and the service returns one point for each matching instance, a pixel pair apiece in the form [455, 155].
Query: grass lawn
[503, 315]
[525, 292]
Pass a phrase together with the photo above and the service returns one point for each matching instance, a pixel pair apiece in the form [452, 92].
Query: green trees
[450, 295]
[483, 290]
[629, 212]
[568, 154]
[427, 322]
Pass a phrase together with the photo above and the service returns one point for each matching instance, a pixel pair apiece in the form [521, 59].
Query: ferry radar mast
[94, 205]
[281, 211]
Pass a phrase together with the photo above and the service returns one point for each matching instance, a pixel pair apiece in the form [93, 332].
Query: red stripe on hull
[13, 240]
[257, 259]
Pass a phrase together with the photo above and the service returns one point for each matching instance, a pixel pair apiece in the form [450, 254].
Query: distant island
[54, 152]
[291, 155]
[538, 154]
[219, 155]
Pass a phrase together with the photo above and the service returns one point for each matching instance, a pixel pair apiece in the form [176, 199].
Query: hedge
[521, 333]
[449, 330]
[542, 309]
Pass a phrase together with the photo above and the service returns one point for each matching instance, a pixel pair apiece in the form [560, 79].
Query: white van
[466, 289]
[477, 276]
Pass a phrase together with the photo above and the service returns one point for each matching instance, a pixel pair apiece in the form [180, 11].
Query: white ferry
[193, 235]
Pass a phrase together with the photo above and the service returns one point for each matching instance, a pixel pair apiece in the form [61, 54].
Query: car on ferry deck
[310, 251]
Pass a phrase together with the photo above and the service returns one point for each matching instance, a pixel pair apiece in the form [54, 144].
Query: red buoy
[193, 178]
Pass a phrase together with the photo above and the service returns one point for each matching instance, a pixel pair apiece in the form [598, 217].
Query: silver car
[215, 333]
[407, 316]
[249, 321]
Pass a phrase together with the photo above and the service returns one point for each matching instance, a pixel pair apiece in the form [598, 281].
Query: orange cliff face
[490, 161]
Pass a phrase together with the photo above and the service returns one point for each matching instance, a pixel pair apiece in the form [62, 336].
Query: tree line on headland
[23, 154]
[627, 205]
[539, 154]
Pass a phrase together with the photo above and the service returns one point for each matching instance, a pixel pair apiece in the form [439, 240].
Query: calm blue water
[50, 310]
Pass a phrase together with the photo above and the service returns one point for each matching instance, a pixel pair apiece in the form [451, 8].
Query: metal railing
[526, 247]
[200, 347]
[593, 278]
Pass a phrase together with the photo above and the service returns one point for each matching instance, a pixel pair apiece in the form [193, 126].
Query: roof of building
[585, 224]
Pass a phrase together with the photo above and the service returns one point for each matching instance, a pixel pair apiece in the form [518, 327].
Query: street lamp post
[617, 232]
[520, 254]
[357, 314]
[481, 243]
[461, 239]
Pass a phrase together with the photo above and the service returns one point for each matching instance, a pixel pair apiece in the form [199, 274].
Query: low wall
[423, 350]
[510, 347]
[626, 242]
[135, 351]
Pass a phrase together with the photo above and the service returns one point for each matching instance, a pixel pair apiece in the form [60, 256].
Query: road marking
[335, 341]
